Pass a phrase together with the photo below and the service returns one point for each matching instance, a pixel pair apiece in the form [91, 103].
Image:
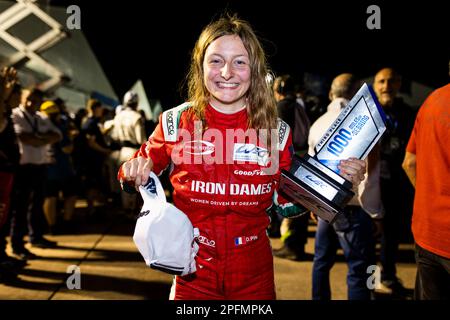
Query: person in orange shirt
[427, 163]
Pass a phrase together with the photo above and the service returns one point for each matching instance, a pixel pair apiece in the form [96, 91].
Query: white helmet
[130, 97]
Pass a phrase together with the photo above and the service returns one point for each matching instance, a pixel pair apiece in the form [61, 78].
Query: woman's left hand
[353, 170]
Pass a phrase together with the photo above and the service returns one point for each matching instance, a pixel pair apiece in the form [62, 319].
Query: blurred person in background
[355, 230]
[294, 232]
[9, 163]
[35, 133]
[60, 174]
[92, 155]
[128, 130]
[398, 210]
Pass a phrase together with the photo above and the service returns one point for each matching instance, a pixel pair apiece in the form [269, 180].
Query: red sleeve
[156, 148]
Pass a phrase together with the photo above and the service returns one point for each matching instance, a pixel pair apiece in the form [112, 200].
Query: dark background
[152, 40]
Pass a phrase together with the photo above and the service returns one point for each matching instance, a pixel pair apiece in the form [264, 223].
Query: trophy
[314, 181]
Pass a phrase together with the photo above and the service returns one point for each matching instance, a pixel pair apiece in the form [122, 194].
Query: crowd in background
[50, 158]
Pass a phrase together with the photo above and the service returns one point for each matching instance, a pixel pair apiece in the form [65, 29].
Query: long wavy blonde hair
[261, 105]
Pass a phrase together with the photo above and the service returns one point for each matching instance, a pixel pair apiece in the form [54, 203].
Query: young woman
[226, 147]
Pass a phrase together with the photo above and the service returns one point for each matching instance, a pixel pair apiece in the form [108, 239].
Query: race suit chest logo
[233, 189]
[250, 153]
[198, 147]
[251, 173]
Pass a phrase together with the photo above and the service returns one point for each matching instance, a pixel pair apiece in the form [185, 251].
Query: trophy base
[316, 187]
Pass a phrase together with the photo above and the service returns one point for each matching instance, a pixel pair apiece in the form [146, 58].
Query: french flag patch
[244, 240]
[239, 241]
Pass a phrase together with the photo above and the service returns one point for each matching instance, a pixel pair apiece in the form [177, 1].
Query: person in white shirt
[357, 229]
[35, 133]
[128, 130]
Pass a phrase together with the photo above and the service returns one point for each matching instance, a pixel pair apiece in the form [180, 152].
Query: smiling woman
[227, 73]
[229, 95]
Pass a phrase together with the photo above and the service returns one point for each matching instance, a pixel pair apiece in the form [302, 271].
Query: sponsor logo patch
[204, 240]
[250, 173]
[282, 131]
[250, 153]
[169, 123]
[198, 147]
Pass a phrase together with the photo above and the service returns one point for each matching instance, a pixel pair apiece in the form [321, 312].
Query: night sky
[152, 40]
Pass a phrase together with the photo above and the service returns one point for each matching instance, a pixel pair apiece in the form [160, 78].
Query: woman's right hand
[137, 170]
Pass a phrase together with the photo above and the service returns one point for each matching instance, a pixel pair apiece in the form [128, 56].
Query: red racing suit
[227, 200]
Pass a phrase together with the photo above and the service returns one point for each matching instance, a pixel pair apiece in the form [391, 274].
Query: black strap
[168, 269]
[130, 144]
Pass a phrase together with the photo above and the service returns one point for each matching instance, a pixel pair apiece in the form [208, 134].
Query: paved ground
[111, 268]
